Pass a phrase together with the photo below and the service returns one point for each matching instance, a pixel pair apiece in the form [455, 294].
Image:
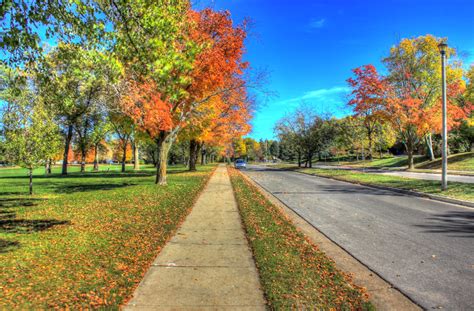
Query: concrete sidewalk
[208, 263]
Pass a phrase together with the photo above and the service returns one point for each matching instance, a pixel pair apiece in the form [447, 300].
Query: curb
[398, 190]
[384, 295]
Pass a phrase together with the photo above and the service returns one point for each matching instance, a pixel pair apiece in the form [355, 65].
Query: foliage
[368, 98]
[415, 88]
[310, 133]
[152, 40]
[30, 134]
[24, 24]
[208, 64]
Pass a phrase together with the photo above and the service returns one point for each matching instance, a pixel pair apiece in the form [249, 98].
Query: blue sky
[309, 47]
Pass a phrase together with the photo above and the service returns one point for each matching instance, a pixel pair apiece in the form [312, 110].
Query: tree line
[150, 75]
[400, 110]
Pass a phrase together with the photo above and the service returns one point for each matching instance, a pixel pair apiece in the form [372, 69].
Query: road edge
[383, 295]
[398, 190]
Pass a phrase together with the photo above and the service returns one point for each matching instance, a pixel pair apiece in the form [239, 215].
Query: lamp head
[443, 47]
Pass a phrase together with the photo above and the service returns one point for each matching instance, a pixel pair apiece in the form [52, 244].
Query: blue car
[240, 163]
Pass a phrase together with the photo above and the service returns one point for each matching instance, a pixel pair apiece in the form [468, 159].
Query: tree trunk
[136, 160]
[369, 136]
[83, 160]
[184, 159]
[203, 155]
[96, 158]
[429, 145]
[31, 180]
[154, 158]
[66, 149]
[409, 149]
[163, 147]
[310, 160]
[193, 154]
[47, 167]
[124, 156]
[299, 159]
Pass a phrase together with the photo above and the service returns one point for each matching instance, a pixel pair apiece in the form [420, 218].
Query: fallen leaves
[295, 274]
[97, 259]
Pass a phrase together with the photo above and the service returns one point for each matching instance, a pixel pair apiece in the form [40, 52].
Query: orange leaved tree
[217, 123]
[368, 99]
[162, 114]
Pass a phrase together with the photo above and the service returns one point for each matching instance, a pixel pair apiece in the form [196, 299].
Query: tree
[274, 149]
[415, 75]
[350, 135]
[31, 136]
[469, 94]
[467, 127]
[368, 99]
[217, 122]
[288, 131]
[213, 71]
[264, 149]
[123, 127]
[309, 132]
[83, 127]
[253, 149]
[101, 128]
[23, 23]
[72, 81]
[384, 137]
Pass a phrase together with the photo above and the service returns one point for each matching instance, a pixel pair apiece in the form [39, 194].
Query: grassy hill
[456, 162]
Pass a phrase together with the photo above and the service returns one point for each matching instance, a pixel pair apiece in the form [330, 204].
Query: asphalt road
[424, 248]
[415, 175]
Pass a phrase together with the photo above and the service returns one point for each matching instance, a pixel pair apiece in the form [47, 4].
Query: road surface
[415, 175]
[424, 248]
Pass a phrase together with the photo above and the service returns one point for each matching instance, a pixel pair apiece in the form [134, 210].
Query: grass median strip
[293, 271]
[456, 190]
[85, 240]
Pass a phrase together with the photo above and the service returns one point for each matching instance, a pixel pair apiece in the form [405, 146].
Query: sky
[308, 47]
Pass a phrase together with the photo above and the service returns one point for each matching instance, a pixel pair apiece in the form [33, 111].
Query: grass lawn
[85, 240]
[294, 273]
[456, 162]
[462, 191]
[391, 162]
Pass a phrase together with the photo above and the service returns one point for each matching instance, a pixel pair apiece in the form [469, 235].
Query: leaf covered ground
[86, 240]
[294, 273]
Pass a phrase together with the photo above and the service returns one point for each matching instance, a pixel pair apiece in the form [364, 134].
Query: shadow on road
[455, 224]
[345, 189]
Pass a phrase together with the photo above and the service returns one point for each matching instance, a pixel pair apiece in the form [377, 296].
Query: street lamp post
[444, 178]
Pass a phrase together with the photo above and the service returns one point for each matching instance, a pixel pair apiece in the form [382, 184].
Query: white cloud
[331, 100]
[332, 94]
[317, 23]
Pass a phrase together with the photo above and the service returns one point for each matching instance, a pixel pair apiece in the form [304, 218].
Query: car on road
[240, 163]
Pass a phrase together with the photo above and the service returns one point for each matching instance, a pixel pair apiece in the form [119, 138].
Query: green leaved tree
[30, 135]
